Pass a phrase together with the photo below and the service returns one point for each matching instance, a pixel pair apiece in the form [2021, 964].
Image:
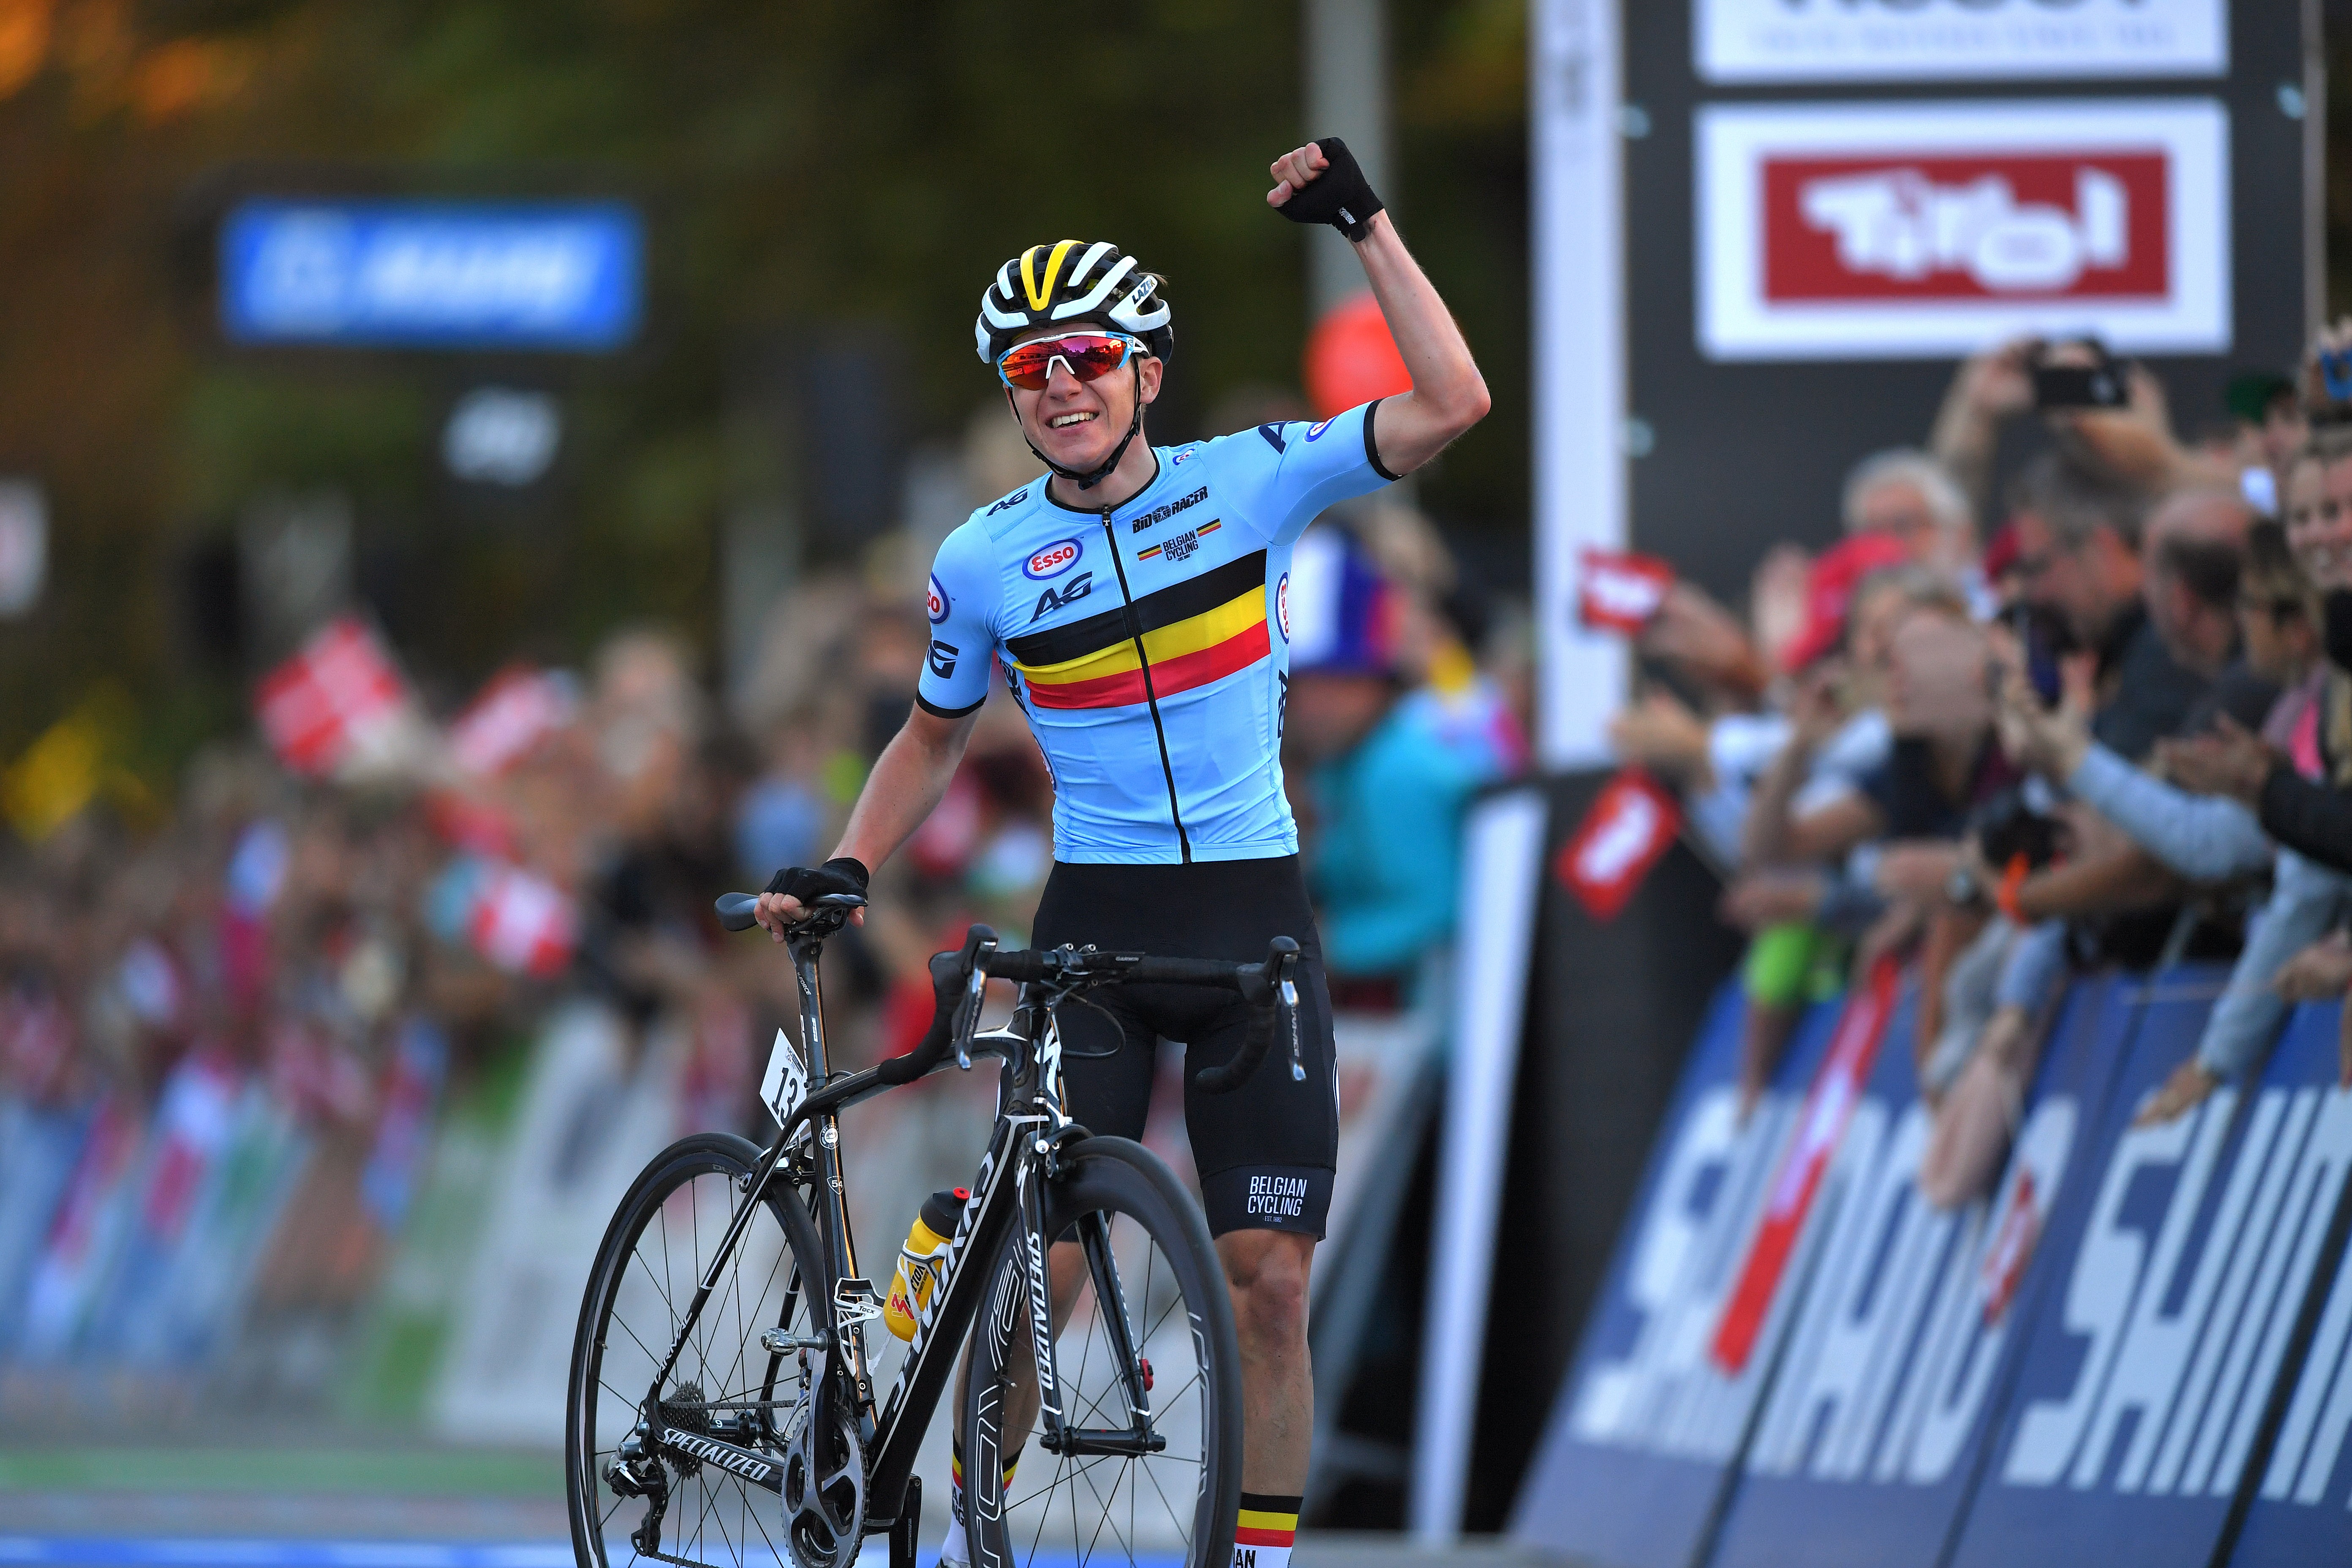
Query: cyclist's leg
[1265, 1153]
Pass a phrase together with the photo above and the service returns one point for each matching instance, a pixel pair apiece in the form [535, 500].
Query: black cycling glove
[844, 875]
[1339, 196]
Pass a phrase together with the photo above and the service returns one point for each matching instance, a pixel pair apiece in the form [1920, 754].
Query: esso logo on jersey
[1282, 605]
[1054, 559]
[936, 604]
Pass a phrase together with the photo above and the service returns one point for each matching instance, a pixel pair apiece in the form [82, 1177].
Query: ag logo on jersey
[936, 604]
[1282, 605]
[1048, 601]
[1053, 561]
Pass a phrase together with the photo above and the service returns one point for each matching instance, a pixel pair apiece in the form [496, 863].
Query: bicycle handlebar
[1269, 988]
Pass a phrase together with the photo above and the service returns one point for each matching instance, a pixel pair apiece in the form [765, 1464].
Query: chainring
[825, 1493]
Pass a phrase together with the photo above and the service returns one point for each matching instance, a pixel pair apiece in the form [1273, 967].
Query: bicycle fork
[1137, 1437]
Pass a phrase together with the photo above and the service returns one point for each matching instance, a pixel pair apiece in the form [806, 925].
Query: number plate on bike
[786, 1084]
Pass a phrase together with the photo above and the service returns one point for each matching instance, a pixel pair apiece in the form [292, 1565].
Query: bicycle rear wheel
[726, 1385]
[1152, 1290]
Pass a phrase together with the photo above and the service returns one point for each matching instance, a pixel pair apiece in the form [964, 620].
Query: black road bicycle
[722, 1406]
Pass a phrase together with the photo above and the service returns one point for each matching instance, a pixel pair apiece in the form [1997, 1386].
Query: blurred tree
[816, 162]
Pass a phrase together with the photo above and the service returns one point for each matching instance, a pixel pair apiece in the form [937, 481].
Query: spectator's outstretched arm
[2305, 901]
[2206, 838]
[1988, 390]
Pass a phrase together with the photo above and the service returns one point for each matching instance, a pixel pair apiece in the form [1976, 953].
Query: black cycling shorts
[1266, 1151]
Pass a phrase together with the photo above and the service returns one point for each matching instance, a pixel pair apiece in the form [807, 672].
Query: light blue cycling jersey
[1150, 648]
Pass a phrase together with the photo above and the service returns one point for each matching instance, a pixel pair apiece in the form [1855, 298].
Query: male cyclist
[1135, 601]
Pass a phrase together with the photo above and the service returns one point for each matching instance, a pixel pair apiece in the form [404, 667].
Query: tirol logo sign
[1861, 231]
[1632, 823]
[1054, 559]
[1966, 228]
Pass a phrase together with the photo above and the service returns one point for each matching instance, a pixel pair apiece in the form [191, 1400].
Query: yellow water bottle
[919, 1269]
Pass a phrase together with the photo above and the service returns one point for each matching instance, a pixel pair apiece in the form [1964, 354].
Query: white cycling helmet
[1075, 283]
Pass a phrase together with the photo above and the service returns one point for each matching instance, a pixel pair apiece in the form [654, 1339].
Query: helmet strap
[1092, 477]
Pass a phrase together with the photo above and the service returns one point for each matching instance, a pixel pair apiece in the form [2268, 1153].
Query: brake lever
[967, 1018]
[1288, 992]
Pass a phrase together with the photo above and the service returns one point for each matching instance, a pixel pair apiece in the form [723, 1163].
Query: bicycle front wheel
[1149, 1382]
[628, 1507]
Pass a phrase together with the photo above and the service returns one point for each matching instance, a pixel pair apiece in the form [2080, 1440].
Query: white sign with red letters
[1921, 230]
[1951, 40]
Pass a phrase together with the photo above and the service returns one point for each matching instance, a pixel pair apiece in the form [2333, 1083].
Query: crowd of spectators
[344, 946]
[2099, 715]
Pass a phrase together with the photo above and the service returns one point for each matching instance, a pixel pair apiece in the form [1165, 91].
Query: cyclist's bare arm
[908, 781]
[1448, 395]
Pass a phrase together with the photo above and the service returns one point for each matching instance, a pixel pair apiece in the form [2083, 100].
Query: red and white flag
[338, 702]
[1829, 1106]
[514, 712]
[1632, 823]
[1617, 590]
[522, 924]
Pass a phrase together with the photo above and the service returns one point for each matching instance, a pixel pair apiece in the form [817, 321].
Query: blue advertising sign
[1645, 1433]
[2304, 1511]
[448, 275]
[1869, 1440]
[2187, 1253]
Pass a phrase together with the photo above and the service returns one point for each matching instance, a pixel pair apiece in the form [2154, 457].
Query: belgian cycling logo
[1182, 544]
[1016, 499]
[1317, 430]
[1282, 605]
[936, 603]
[943, 658]
[1054, 559]
[1049, 601]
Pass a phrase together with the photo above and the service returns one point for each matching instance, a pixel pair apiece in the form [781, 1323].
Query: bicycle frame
[1030, 1126]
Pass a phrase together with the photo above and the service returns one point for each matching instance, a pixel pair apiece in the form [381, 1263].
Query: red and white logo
[1054, 559]
[1618, 591]
[2006, 225]
[935, 601]
[1632, 823]
[1865, 231]
[1282, 605]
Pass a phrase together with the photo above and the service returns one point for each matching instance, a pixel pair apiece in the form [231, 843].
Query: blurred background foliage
[855, 168]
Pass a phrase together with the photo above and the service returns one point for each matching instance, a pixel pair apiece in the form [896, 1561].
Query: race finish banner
[2187, 1256]
[1645, 1432]
[1871, 1438]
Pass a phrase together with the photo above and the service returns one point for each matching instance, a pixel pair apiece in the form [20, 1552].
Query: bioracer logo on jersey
[1054, 559]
